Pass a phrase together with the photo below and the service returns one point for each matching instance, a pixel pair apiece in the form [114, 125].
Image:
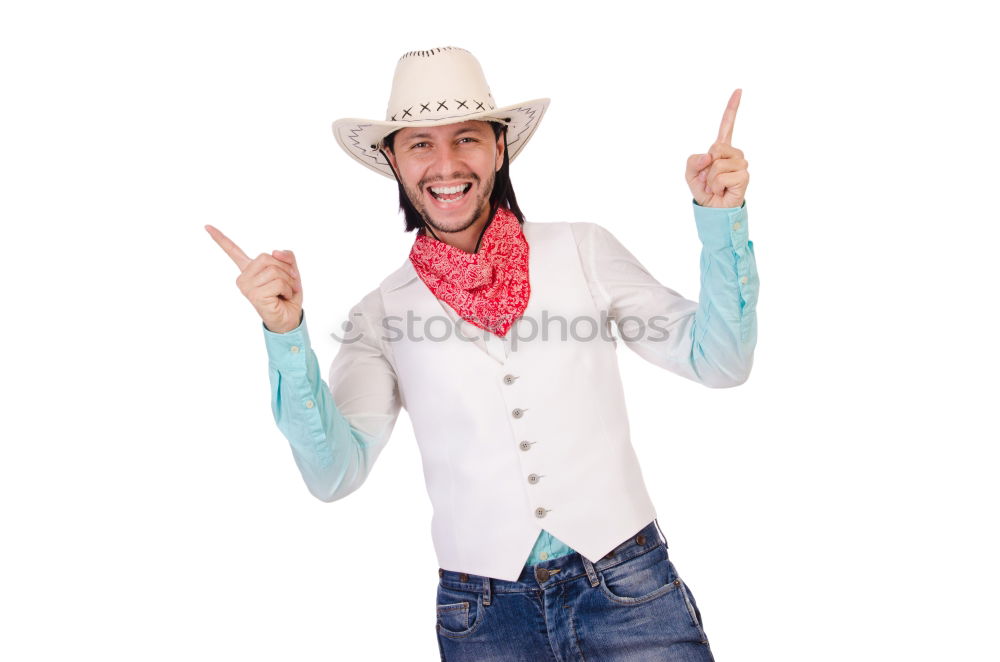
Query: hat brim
[362, 139]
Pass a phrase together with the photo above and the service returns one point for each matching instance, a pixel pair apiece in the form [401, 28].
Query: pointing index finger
[232, 250]
[729, 118]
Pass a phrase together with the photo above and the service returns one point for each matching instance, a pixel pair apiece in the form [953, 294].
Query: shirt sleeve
[336, 434]
[710, 341]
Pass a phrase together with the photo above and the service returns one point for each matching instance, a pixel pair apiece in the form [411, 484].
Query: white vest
[512, 443]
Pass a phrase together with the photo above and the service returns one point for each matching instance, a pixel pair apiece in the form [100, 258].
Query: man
[546, 538]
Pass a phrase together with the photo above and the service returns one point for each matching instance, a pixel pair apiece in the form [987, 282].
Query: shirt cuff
[721, 227]
[288, 351]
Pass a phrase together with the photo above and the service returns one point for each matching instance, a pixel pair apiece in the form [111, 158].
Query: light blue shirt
[726, 313]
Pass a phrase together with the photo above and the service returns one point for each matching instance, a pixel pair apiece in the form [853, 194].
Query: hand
[270, 281]
[719, 178]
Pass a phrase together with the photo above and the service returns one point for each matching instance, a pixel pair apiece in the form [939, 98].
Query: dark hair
[502, 193]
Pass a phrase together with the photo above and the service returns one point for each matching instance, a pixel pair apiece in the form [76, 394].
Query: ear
[390, 157]
[501, 146]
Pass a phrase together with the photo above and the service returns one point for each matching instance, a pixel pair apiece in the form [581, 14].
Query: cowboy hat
[433, 88]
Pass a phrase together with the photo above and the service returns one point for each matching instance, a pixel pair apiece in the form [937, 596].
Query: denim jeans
[628, 605]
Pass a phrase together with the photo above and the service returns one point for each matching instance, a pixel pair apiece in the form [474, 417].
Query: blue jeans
[628, 605]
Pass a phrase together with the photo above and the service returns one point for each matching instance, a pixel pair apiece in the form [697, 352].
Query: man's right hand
[270, 281]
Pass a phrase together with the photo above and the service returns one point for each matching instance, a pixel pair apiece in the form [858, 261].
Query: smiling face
[448, 172]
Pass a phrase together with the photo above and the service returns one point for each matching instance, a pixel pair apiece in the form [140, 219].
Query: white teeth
[448, 190]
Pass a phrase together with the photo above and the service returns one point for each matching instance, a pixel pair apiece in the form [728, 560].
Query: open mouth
[449, 194]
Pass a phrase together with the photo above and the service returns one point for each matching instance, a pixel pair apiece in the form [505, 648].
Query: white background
[840, 505]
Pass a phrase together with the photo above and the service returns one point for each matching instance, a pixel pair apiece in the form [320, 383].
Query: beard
[480, 207]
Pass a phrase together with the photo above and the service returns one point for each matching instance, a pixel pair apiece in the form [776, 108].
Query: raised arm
[337, 435]
[710, 341]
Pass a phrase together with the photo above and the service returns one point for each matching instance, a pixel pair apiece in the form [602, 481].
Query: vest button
[541, 574]
[640, 539]
[509, 379]
[532, 478]
[517, 413]
[540, 512]
[463, 577]
[525, 445]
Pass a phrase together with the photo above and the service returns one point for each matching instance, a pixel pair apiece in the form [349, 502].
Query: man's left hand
[719, 178]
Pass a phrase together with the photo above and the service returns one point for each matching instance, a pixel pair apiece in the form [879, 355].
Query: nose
[448, 164]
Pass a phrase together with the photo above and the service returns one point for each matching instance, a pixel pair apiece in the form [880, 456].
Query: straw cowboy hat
[433, 88]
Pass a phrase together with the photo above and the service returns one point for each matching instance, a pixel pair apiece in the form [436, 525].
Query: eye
[469, 138]
[416, 145]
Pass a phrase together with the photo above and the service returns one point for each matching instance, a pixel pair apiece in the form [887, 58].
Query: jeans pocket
[640, 579]
[454, 617]
[459, 613]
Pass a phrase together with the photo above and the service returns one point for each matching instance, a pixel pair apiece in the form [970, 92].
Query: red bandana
[489, 288]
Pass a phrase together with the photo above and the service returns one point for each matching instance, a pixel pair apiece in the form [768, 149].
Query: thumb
[695, 164]
[288, 258]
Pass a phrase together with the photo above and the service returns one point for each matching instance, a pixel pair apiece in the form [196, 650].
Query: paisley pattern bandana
[490, 288]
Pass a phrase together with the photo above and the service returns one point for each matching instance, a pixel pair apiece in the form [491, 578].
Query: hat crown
[442, 83]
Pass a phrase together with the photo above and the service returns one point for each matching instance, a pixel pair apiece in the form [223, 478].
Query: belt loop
[661, 533]
[486, 591]
[591, 573]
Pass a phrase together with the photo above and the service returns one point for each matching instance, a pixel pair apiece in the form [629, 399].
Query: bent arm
[335, 434]
[710, 341]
